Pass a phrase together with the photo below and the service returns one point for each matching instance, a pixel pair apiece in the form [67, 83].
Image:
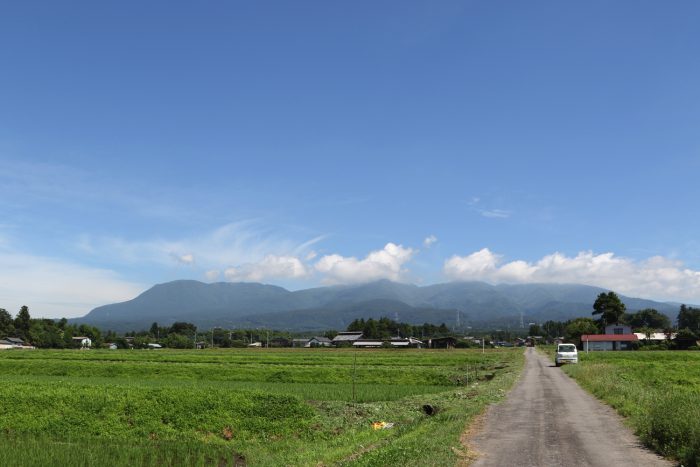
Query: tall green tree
[648, 318]
[609, 307]
[576, 328]
[23, 322]
[689, 317]
[7, 326]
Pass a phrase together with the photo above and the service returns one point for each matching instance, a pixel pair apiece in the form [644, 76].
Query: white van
[566, 353]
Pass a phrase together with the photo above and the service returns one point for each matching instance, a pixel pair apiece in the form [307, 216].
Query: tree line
[47, 333]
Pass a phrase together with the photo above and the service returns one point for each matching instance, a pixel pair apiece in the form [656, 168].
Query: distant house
[200, 345]
[111, 346]
[618, 329]
[299, 342]
[319, 341]
[82, 341]
[346, 338]
[616, 337]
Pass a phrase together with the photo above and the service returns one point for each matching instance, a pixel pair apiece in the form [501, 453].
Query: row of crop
[217, 372]
[310, 357]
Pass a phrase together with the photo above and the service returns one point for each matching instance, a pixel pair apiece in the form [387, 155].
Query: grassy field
[244, 406]
[658, 391]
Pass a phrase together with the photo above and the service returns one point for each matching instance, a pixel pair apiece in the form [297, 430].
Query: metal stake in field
[354, 372]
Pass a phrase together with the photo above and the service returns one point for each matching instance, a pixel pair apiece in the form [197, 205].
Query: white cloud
[271, 266]
[655, 277]
[430, 241]
[55, 288]
[386, 263]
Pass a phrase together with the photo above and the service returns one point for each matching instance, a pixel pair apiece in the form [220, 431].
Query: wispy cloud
[495, 213]
[53, 288]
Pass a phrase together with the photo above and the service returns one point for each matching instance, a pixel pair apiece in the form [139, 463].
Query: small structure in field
[83, 342]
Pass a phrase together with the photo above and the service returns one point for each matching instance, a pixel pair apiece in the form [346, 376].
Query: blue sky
[309, 143]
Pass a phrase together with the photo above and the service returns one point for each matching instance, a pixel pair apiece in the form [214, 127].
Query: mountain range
[254, 305]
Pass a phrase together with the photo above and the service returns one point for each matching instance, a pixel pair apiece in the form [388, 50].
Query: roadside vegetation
[245, 406]
[658, 392]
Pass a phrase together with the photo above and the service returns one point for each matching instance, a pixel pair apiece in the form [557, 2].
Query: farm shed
[15, 341]
[5, 344]
[608, 341]
[654, 336]
[346, 338]
[368, 343]
[406, 342]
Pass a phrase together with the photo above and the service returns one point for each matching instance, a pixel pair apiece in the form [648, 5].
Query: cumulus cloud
[430, 241]
[271, 266]
[655, 277]
[386, 263]
[56, 288]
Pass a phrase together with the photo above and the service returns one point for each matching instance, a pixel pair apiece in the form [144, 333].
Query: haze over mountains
[254, 305]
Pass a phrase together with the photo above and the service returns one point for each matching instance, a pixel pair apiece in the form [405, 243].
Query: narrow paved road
[548, 420]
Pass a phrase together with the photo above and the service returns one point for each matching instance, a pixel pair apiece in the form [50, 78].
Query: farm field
[658, 391]
[244, 406]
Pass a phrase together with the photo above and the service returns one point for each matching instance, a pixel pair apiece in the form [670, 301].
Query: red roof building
[608, 341]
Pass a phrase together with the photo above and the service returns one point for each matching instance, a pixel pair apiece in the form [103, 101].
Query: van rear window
[567, 348]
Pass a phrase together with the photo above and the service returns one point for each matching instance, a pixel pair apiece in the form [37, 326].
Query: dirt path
[548, 420]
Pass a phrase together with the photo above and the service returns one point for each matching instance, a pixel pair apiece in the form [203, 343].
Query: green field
[659, 392]
[244, 406]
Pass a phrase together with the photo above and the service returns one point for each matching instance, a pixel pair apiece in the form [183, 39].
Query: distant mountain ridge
[232, 305]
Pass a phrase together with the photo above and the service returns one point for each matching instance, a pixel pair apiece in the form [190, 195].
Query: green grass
[243, 406]
[658, 392]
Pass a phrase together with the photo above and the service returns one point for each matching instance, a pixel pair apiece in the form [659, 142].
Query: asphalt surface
[548, 420]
